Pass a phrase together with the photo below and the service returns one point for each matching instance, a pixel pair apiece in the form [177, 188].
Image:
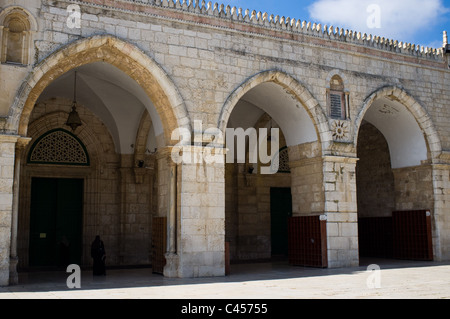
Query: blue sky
[415, 21]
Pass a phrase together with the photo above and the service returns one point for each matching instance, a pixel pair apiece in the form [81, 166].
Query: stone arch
[99, 145]
[304, 125]
[341, 75]
[18, 9]
[419, 113]
[126, 57]
[145, 126]
[291, 86]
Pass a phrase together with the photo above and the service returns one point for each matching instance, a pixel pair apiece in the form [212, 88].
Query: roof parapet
[288, 24]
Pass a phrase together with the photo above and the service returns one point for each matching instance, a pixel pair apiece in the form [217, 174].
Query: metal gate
[412, 235]
[405, 235]
[159, 231]
[308, 241]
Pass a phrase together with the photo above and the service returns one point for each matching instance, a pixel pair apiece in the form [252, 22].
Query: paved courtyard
[277, 280]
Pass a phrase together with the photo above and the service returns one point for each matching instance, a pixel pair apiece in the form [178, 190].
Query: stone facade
[151, 67]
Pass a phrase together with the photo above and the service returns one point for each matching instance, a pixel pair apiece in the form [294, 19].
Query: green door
[280, 211]
[55, 221]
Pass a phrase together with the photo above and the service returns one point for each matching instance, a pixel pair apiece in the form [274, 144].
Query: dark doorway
[159, 237]
[280, 211]
[56, 222]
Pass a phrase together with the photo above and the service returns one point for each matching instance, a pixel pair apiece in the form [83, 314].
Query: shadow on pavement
[42, 281]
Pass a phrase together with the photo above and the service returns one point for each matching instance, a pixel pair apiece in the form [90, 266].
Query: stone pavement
[277, 280]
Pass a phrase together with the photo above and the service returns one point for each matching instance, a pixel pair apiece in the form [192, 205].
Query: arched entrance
[128, 108]
[124, 56]
[396, 147]
[258, 206]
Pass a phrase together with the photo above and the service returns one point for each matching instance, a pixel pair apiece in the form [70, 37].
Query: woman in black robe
[99, 255]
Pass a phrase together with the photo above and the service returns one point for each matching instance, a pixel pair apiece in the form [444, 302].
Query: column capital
[444, 157]
[340, 159]
[22, 142]
[165, 153]
[5, 138]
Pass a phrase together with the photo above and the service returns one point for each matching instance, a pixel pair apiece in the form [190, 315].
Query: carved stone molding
[340, 130]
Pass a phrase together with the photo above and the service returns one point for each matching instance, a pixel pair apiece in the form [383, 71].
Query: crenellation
[284, 24]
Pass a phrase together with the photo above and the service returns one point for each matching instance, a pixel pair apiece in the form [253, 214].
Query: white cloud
[397, 19]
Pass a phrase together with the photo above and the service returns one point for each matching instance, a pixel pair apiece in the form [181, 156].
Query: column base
[13, 274]
[342, 240]
[171, 270]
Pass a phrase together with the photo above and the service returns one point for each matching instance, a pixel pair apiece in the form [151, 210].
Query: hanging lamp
[74, 120]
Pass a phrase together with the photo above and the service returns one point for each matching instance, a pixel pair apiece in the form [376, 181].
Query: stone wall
[414, 188]
[307, 179]
[192, 60]
[248, 227]
[375, 180]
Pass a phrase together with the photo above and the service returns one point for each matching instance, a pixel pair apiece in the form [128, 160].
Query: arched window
[337, 99]
[15, 31]
[58, 147]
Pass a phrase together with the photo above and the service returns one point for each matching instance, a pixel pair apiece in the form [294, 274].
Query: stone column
[202, 214]
[7, 150]
[123, 174]
[172, 259]
[441, 217]
[22, 142]
[341, 211]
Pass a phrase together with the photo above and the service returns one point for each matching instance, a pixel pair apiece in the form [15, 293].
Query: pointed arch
[418, 112]
[145, 71]
[292, 87]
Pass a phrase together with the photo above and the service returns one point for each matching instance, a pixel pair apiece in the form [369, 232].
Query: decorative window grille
[337, 99]
[58, 147]
[336, 106]
[282, 159]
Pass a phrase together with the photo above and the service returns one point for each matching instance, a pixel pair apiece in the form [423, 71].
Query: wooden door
[56, 222]
[159, 240]
[280, 211]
